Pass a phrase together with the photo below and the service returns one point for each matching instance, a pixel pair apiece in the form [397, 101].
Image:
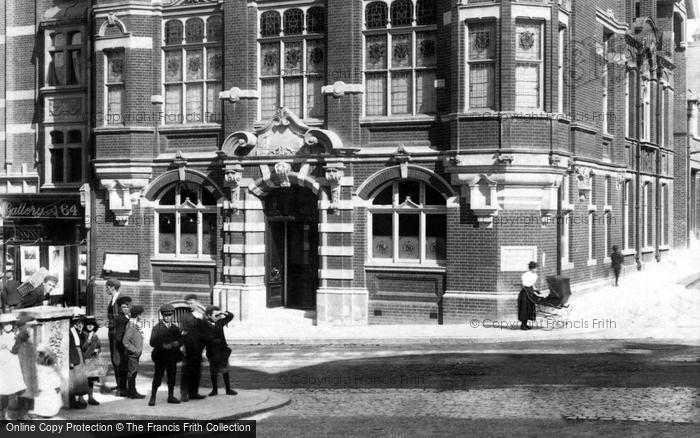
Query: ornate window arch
[184, 216]
[407, 222]
[400, 58]
[293, 61]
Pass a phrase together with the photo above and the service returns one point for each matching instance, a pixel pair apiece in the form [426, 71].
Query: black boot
[227, 382]
[152, 400]
[121, 384]
[214, 385]
[131, 391]
[171, 397]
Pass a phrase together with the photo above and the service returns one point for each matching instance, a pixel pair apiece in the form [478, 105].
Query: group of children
[30, 386]
[86, 364]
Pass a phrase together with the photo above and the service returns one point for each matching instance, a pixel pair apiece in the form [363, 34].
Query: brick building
[374, 161]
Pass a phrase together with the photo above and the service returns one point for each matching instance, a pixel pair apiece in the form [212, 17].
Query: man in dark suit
[194, 330]
[41, 293]
[116, 324]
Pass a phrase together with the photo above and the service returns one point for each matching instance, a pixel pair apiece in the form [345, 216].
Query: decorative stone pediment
[283, 136]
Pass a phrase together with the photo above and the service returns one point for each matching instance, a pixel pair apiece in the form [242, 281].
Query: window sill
[607, 208]
[592, 262]
[647, 249]
[607, 136]
[61, 88]
[566, 206]
[592, 208]
[607, 261]
[628, 252]
[566, 266]
[61, 186]
[397, 119]
[189, 127]
[664, 248]
[162, 260]
[108, 129]
[309, 121]
[404, 267]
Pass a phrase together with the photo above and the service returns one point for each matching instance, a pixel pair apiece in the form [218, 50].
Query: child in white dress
[11, 382]
[48, 401]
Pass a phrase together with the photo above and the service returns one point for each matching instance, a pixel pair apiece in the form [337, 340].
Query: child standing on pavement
[217, 348]
[166, 340]
[95, 367]
[48, 401]
[133, 345]
[12, 382]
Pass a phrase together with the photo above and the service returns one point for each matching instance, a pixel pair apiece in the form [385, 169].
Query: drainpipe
[659, 141]
[638, 160]
[689, 171]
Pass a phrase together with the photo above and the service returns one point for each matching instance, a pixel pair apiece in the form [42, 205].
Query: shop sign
[40, 209]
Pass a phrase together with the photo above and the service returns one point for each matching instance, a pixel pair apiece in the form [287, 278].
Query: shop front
[46, 231]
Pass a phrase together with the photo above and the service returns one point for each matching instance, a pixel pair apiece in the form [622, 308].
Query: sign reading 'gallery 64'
[40, 209]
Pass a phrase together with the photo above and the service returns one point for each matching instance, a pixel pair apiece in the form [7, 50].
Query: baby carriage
[555, 304]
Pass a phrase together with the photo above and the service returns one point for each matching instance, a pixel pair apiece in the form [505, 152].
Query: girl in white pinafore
[48, 401]
[12, 381]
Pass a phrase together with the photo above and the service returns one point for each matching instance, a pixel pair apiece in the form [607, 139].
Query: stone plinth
[341, 306]
[52, 330]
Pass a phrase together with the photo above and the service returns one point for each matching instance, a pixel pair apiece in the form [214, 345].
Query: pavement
[220, 407]
[652, 304]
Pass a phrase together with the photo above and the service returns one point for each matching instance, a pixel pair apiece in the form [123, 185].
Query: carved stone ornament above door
[284, 135]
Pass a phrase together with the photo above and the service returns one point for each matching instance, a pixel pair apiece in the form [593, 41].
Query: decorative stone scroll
[124, 183]
[235, 94]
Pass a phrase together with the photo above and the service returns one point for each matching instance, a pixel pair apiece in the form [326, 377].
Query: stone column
[52, 330]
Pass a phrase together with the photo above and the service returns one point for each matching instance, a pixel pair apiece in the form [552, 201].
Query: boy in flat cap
[123, 304]
[133, 346]
[166, 340]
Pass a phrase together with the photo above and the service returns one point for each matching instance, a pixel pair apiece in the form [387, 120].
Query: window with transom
[65, 155]
[293, 61]
[400, 57]
[193, 66]
[481, 64]
[64, 56]
[185, 221]
[529, 46]
[114, 86]
[408, 224]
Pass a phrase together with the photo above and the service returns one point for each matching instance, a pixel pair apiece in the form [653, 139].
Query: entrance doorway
[292, 248]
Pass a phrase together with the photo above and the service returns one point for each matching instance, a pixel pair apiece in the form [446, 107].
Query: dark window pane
[425, 12]
[56, 137]
[270, 23]
[293, 22]
[194, 30]
[169, 197]
[382, 236]
[214, 29]
[75, 165]
[316, 20]
[409, 189]
[188, 191]
[188, 233]
[173, 32]
[435, 232]
[208, 197]
[166, 235]
[376, 15]
[209, 234]
[401, 13]
[433, 197]
[408, 236]
[57, 165]
[75, 136]
[385, 197]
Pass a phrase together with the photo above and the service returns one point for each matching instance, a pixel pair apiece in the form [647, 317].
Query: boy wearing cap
[119, 356]
[36, 296]
[166, 341]
[133, 347]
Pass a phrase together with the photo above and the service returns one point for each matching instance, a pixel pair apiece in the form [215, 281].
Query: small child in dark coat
[217, 348]
[166, 340]
[133, 346]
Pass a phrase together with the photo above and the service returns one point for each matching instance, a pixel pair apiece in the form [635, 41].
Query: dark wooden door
[302, 264]
[276, 243]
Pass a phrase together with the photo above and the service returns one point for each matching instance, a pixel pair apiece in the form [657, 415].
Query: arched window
[316, 20]
[293, 22]
[376, 15]
[270, 22]
[408, 221]
[185, 221]
[192, 70]
[293, 67]
[401, 13]
[399, 62]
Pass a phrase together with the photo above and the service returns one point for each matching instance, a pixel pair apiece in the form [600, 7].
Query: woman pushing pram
[529, 297]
